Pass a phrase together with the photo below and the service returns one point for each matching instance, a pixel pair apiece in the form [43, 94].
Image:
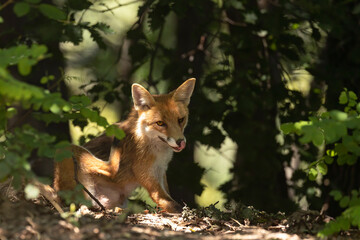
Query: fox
[110, 169]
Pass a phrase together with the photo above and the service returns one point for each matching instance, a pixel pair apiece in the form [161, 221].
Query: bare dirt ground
[28, 220]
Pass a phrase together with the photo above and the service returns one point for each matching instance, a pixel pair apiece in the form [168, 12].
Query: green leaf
[63, 145]
[318, 138]
[344, 202]
[331, 152]
[101, 121]
[235, 4]
[97, 37]
[273, 46]
[10, 112]
[55, 108]
[354, 193]
[322, 168]
[157, 14]
[38, 50]
[336, 194]
[358, 107]
[312, 133]
[350, 143]
[17, 181]
[356, 135]
[24, 66]
[340, 149]
[351, 104]
[328, 160]
[354, 212]
[1, 19]
[250, 18]
[353, 123]
[307, 132]
[21, 9]
[31, 192]
[356, 9]
[44, 80]
[63, 151]
[52, 12]
[329, 131]
[46, 151]
[287, 128]
[114, 130]
[103, 27]
[352, 95]
[79, 5]
[333, 130]
[351, 160]
[4, 170]
[343, 99]
[89, 114]
[341, 160]
[338, 115]
[295, 26]
[66, 108]
[72, 33]
[313, 174]
[82, 99]
[344, 223]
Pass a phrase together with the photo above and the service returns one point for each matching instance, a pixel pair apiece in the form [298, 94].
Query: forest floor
[28, 220]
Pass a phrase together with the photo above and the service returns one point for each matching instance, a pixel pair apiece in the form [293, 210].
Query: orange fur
[111, 169]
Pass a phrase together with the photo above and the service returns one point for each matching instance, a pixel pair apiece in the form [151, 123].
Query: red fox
[154, 130]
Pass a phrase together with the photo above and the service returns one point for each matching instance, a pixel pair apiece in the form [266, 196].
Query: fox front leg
[160, 196]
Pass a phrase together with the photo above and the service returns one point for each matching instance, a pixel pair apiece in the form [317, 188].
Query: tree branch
[153, 55]
[115, 7]
[8, 2]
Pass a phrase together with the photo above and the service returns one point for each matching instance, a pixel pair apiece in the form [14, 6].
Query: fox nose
[181, 143]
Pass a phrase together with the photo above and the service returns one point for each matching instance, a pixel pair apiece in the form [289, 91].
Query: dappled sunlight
[77, 72]
[217, 164]
[300, 80]
[211, 196]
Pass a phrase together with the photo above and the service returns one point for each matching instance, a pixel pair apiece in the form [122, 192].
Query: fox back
[110, 169]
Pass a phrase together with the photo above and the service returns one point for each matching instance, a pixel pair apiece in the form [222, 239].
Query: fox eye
[181, 120]
[160, 123]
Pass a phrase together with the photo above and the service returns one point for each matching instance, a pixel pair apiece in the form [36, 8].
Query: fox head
[163, 118]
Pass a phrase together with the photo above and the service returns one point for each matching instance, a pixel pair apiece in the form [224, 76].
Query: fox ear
[183, 93]
[141, 97]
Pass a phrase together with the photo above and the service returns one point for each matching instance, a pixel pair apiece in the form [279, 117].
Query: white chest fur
[162, 160]
[161, 164]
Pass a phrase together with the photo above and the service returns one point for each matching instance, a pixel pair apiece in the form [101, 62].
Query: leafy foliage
[350, 216]
[19, 91]
[339, 131]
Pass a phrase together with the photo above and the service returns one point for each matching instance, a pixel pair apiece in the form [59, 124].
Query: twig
[147, 3]
[48, 193]
[232, 22]
[19, 120]
[9, 187]
[6, 4]
[115, 7]
[85, 189]
[152, 60]
[237, 222]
